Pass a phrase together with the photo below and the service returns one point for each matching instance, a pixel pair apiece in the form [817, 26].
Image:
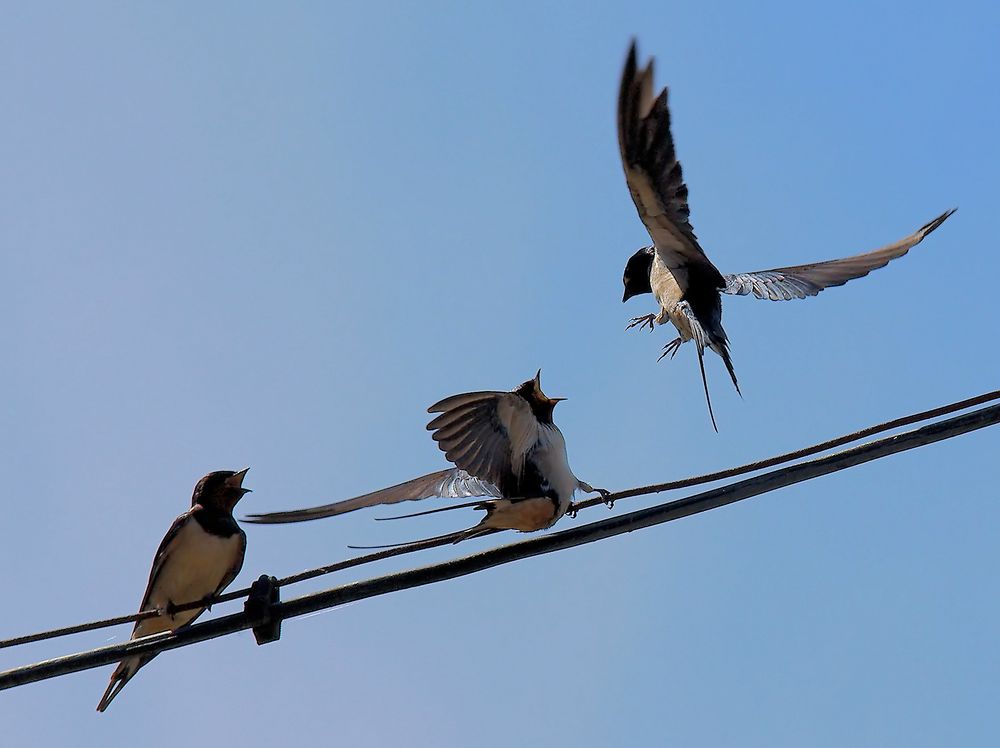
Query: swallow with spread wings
[675, 269]
[505, 448]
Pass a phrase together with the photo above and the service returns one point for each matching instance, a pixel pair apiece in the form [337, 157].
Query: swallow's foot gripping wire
[609, 502]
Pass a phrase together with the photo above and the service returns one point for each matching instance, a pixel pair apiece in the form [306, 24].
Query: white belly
[195, 566]
[553, 462]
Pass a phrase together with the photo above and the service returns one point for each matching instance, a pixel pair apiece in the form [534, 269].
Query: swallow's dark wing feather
[128, 667]
[654, 175]
[800, 281]
[163, 553]
[452, 484]
[486, 434]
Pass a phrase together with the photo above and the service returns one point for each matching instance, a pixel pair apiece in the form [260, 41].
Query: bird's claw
[672, 347]
[572, 511]
[640, 322]
[606, 495]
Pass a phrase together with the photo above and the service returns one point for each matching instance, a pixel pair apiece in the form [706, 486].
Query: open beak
[236, 480]
[538, 388]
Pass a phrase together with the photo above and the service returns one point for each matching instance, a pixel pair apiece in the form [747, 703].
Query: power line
[752, 467]
[224, 598]
[477, 562]
[628, 493]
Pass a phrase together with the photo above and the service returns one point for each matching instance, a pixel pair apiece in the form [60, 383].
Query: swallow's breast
[196, 564]
[665, 287]
[668, 295]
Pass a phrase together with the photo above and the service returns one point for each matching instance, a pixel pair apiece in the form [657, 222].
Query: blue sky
[252, 234]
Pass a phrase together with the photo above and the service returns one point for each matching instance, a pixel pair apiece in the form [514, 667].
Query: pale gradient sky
[270, 235]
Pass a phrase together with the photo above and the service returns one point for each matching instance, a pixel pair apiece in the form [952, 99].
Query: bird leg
[605, 493]
[640, 322]
[672, 347]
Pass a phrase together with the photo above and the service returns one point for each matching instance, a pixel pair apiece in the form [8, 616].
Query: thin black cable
[617, 525]
[628, 493]
[752, 467]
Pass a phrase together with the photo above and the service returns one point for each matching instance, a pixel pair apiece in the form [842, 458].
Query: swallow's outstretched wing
[487, 434]
[451, 484]
[800, 281]
[654, 177]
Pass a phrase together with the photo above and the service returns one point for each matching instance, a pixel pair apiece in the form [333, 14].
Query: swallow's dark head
[541, 405]
[636, 277]
[220, 490]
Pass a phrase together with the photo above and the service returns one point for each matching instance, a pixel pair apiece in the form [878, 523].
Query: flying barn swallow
[686, 284]
[505, 447]
[199, 556]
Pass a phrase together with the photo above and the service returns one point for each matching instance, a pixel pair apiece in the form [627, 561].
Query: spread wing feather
[654, 175]
[800, 281]
[452, 484]
[486, 434]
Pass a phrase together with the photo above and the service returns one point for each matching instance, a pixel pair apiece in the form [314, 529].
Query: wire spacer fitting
[264, 595]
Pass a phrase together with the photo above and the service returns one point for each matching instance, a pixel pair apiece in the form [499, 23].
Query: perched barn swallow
[199, 556]
[504, 446]
[674, 268]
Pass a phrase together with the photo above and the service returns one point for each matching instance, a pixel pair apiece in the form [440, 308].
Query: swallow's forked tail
[123, 674]
[704, 381]
[722, 349]
[713, 337]
[481, 504]
[454, 537]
